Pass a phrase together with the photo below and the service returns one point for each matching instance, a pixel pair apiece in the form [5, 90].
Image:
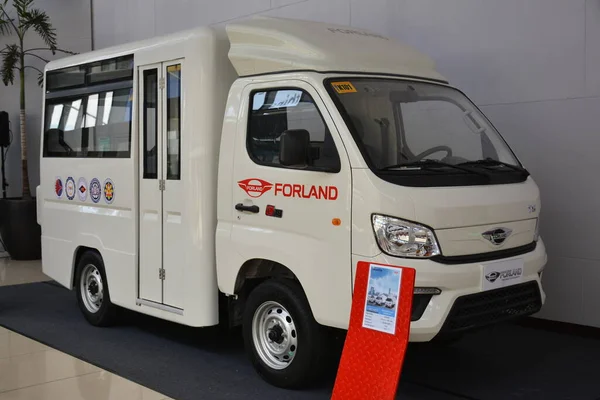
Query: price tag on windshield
[343, 87]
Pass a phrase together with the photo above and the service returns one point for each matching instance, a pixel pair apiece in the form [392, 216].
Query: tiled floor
[32, 371]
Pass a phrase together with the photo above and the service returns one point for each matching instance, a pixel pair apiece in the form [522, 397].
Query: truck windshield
[404, 128]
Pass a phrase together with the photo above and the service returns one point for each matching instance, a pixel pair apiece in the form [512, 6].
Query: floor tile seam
[30, 352]
[2, 392]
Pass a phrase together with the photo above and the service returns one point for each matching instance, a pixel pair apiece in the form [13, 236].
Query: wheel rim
[92, 289]
[274, 335]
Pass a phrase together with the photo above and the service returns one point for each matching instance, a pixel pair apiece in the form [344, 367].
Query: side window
[93, 125]
[174, 122]
[88, 110]
[275, 111]
[150, 124]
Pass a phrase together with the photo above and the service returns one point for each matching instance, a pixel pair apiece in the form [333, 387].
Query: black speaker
[4, 129]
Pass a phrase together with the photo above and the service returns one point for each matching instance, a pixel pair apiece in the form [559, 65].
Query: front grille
[486, 308]
[482, 257]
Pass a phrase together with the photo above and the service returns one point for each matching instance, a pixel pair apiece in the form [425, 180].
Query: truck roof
[265, 45]
[155, 43]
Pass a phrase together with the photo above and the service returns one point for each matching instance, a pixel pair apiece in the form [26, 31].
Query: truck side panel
[312, 235]
[108, 228]
[110, 225]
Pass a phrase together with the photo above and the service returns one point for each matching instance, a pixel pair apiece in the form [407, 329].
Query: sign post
[378, 333]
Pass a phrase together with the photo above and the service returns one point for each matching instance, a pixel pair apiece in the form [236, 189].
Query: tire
[282, 303]
[92, 291]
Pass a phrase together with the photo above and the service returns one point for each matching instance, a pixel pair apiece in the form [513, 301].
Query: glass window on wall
[99, 72]
[64, 133]
[92, 125]
[108, 117]
[174, 122]
[150, 124]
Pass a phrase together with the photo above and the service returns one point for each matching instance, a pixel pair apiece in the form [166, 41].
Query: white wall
[533, 66]
[71, 19]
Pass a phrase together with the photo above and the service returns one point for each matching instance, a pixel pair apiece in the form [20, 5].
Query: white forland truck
[253, 167]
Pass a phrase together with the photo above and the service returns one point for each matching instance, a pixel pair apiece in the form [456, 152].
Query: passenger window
[150, 124]
[275, 111]
[174, 122]
[96, 125]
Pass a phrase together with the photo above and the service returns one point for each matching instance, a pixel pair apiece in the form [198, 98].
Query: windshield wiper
[431, 164]
[490, 162]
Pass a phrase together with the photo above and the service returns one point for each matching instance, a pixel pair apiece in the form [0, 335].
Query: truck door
[297, 216]
[160, 184]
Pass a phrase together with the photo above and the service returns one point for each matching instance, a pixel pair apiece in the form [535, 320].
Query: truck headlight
[404, 239]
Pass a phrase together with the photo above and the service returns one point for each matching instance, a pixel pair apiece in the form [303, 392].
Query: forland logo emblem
[255, 187]
[506, 275]
[492, 276]
[497, 236]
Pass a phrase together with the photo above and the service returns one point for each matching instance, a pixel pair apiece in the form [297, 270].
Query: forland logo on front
[492, 276]
[255, 187]
[504, 275]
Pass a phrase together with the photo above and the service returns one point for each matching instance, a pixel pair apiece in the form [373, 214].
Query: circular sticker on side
[58, 187]
[82, 189]
[95, 190]
[70, 188]
[109, 190]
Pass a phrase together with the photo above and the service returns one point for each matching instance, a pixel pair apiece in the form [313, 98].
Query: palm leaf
[5, 27]
[40, 22]
[22, 6]
[6, 23]
[10, 58]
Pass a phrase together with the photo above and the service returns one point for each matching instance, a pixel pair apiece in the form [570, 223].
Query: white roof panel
[268, 45]
[135, 47]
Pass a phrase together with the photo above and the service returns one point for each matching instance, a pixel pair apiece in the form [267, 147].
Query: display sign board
[378, 333]
[383, 292]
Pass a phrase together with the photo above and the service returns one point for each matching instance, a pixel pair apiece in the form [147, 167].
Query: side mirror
[294, 148]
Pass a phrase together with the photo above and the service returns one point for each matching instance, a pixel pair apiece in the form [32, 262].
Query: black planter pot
[21, 234]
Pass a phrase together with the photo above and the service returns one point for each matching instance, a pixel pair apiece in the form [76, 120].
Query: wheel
[92, 291]
[281, 336]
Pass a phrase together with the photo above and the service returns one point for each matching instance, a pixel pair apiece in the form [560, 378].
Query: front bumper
[462, 304]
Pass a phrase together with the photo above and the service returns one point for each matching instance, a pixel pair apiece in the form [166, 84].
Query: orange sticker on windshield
[343, 87]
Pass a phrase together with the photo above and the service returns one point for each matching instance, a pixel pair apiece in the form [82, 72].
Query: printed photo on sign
[70, 188]
[109, 191]
[58, 187]
[500, 274]
[383, 294]
[95, 190]
[82, 189]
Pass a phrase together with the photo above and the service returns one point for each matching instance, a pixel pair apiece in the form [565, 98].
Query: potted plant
[18, 218]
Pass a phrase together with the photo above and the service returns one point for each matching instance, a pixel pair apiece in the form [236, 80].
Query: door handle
[251, 209]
